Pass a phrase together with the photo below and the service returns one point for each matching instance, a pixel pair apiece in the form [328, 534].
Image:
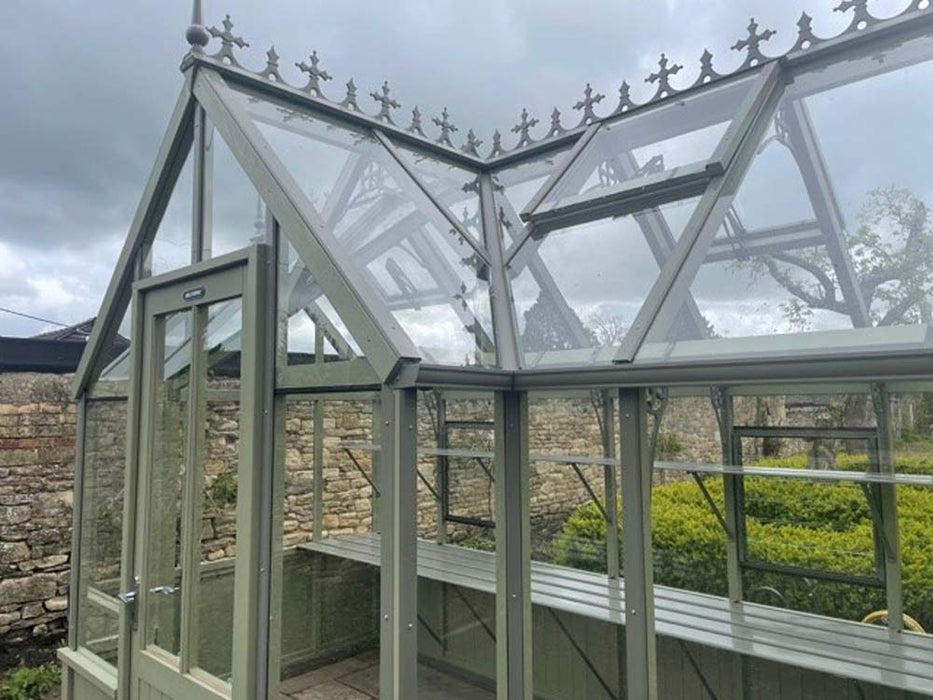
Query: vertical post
[277, 570]
[398, 652]
[76, 521]
[607, 429]
[513, 548]
[252, 589]
[441, 481]
[888, 501]
[378, 447]
[318, 479]
[139, 378]
[732, 491]
[640, 650]
[203, 209]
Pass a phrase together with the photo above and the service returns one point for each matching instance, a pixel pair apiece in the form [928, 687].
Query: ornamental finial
[805, 36]
[556, 127]
[625, 98]
[416, 127]
[228, 40]
[447, 128]
[497, 148]
[587, 103]
[271, 71]
[197, 35]
[663, 77]
[862, 18]
[349, 102]
[753, 44]
[472, 144]
[387, 103]
[315, 75]
[523, 129]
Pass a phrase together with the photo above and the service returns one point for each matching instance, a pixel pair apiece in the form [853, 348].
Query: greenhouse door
[195, 525]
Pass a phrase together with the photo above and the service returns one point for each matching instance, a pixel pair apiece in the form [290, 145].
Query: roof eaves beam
[385, 343]
[169, 162]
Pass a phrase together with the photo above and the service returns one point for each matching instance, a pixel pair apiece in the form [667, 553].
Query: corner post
[513, 548]
[640, 650]
[398, 650]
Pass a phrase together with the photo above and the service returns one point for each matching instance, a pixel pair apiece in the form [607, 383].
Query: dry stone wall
[37, 442]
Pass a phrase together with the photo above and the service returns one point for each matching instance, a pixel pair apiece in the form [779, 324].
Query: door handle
[164, 590]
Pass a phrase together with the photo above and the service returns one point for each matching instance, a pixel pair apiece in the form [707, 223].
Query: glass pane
[325, 614]
[568, 522]
[169, 426]
[212, 609]
[431, 280]
[578, 290]
[309, 328]
[102, 527]
[521, 182]
[456, 188]
[826, 245]
[171, 247]
[674, 134]
[239, 214]
[456, 623]
[116, 363]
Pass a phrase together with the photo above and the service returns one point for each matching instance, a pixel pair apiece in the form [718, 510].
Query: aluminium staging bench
[863, 653]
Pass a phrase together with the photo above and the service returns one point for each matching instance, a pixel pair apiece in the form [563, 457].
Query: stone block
[26, 589]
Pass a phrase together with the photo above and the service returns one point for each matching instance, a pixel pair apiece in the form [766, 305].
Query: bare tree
[892, 254]
[606, 328]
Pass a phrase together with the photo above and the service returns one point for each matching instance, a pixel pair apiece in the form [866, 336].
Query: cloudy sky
[88, 87]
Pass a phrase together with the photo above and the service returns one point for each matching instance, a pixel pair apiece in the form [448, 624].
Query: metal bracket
[712, 504]
[362, 471]
[589, 490]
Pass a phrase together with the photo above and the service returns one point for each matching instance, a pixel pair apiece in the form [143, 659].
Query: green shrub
[789, 522]
[30, 682]
[222, 491]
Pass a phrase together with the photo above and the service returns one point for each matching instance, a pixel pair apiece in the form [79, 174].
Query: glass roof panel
[455, 187]
[239, 217]
[676, 133]
[522, 181]
[828, 243]
[578, 290]
[171, 247]
[308, 321]
[427, 275]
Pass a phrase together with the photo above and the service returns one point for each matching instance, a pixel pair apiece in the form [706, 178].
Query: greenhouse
[634, 402]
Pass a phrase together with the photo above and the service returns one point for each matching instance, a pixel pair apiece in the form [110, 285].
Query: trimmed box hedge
[826, 527]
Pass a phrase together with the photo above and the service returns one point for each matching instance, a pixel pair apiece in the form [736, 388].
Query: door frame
[254, 501]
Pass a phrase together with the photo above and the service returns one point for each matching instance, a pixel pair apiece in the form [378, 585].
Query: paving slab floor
[357, 678]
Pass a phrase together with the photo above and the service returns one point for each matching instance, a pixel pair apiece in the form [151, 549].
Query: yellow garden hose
[882, 617]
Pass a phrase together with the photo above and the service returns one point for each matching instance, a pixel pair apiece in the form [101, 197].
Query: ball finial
[196, 34]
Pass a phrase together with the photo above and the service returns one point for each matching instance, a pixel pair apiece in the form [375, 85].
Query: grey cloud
[88, 87]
